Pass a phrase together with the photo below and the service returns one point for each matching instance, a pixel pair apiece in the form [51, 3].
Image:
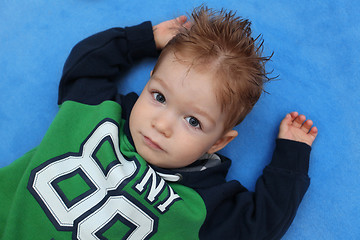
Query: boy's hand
[294, 127]
[165, 31]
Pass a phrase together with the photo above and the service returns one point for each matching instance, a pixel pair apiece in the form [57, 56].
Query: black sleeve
[236, 213]
[91, 69]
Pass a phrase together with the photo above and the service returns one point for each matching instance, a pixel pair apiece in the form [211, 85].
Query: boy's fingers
[286, 120]
[306, 126]
[314, 131]
[294, 115]
[181, 19]
[188, 24]
[298, 121]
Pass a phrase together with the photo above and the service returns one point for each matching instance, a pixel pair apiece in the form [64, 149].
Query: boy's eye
[159, 97]
[193, 122]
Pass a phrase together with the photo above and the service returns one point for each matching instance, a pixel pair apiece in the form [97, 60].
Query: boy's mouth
[150, 143]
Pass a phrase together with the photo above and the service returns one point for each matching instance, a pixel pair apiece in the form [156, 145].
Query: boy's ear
[151, 73]
[223, 141]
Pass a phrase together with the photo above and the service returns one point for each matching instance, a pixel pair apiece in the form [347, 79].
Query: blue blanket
[316, 46]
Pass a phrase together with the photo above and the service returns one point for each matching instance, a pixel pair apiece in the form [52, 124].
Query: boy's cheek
[192, 147]
[140, 109]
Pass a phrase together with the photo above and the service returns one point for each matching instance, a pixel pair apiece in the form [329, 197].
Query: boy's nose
[163, 124]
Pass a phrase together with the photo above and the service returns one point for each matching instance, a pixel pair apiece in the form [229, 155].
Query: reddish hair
[222, 43]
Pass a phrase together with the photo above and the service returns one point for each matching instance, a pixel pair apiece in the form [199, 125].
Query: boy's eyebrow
[205, 114]
[162, 82]
[197, 110]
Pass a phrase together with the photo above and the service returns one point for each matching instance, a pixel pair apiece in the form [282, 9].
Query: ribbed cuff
[141, 40]
[291, 155]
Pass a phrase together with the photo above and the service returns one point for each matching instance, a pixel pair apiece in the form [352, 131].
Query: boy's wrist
[141, 40]
[291, 155]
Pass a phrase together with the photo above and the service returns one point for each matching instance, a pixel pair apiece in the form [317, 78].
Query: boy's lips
[150, 143]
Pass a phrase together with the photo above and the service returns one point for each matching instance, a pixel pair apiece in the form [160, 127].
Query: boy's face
[177, 117]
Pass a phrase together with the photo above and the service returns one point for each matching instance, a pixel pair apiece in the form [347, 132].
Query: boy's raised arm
[236, 213]
[93, 64]
[90, 71]
[268, 212]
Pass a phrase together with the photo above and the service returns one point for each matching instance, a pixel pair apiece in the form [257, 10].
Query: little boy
[144, 167]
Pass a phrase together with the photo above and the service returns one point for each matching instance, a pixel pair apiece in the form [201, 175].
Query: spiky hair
[222, 42]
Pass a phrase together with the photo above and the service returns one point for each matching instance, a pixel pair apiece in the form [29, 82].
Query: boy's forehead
[180, 79]
[177, 66]
[178, 76]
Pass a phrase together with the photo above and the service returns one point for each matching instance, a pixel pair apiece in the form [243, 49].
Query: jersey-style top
[86, 181]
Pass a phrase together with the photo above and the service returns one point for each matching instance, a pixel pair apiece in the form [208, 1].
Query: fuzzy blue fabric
[316, 46]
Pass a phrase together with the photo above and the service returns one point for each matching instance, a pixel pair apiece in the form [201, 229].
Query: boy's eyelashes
[159, 97]
[193, 121]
